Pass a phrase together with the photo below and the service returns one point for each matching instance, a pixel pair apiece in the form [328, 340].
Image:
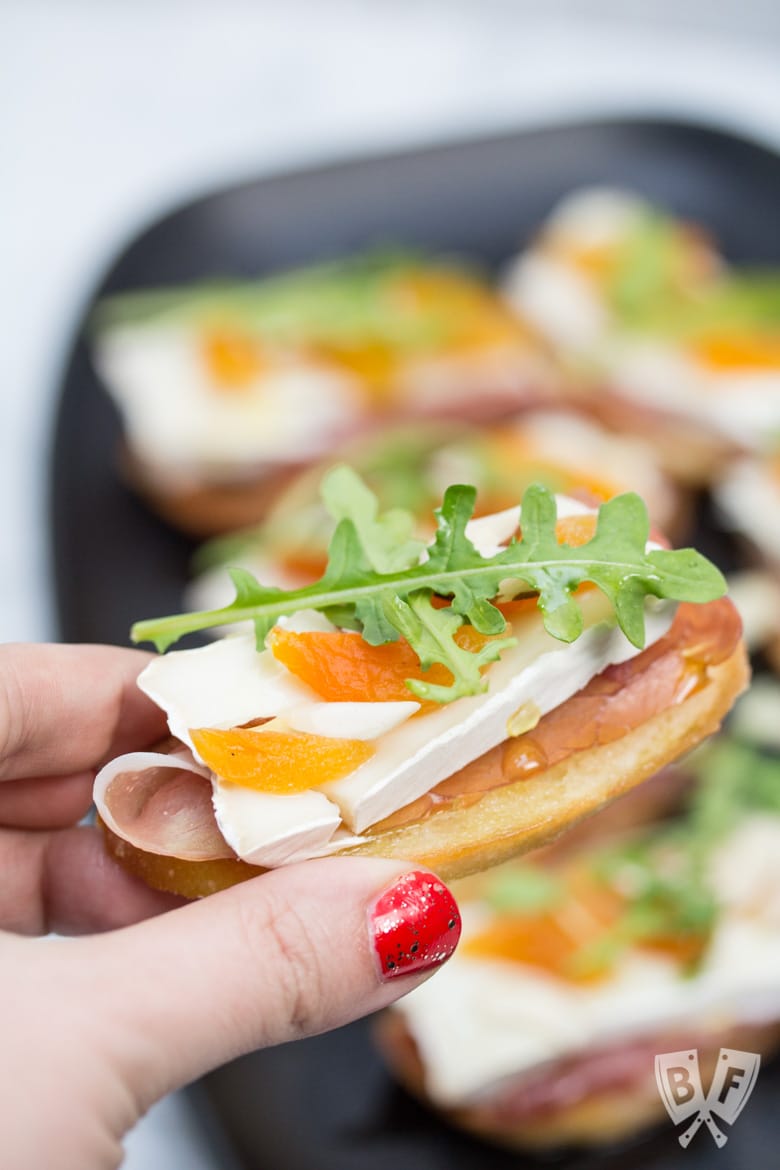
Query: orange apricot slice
[309, 565]
[341, 667]
[571, 530]
[374, 364]
[738, 351]
[278, 762]
[553, 939]
[474, 316]
[233, 359]
[576, 530]
[594, 261]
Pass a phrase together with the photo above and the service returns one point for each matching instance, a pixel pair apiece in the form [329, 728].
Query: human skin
[156, 991]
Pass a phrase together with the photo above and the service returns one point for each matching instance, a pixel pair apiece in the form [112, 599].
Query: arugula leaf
[381, 581]
[524, 889]
[345, 302]
[645, 273]
[432, 634]
[734, 778]
[386, 540]
[648, 291]
[665, 877]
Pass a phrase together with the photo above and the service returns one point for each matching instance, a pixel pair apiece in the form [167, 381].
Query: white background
[112, 112]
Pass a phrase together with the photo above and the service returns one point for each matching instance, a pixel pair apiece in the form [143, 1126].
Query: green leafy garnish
[653, 290]
[735, 778]
[524, 889]
[383, 582]
[664, 877]
[657, 285]
[397, 466]
[645, 274]
[352, 301]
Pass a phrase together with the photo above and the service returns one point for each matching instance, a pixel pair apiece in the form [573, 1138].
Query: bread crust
[519, 817]
[208, 509]
[472, 835]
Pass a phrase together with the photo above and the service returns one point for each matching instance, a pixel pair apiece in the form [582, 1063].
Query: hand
[95, 1029]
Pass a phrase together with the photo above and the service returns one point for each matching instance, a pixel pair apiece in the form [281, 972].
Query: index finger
[65, 709]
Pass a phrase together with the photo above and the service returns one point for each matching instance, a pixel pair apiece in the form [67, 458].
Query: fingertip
[291, 953]
[85, 891]
[48, 802]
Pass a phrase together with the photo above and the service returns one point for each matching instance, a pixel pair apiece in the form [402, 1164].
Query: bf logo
[679, 1083]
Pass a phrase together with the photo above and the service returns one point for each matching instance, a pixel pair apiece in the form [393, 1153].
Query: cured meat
[612, 704]
[162, 804]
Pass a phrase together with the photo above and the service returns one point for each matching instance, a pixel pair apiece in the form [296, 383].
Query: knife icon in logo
[678, 1078]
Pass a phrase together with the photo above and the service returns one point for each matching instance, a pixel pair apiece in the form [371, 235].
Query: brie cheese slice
[417, 755]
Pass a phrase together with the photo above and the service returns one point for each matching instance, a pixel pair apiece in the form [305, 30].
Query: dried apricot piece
[554, 939]
[738, 351]
[576, 530]
[232, 358]
[278, 762]
[596, 261]
[342, 667]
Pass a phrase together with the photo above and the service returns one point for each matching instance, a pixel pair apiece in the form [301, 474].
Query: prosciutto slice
[162, 804]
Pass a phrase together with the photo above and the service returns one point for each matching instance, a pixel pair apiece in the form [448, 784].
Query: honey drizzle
[613, 703]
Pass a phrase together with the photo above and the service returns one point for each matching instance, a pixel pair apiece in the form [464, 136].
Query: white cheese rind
[562, 303]
[596, 217]
[490, 534]
[271, 830]
[420, 753]
[350, 720]
[742, 405]
[748, 501]
[184, 425]
[222, 685]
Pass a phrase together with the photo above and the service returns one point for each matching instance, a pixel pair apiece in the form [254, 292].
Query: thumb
[297, 951]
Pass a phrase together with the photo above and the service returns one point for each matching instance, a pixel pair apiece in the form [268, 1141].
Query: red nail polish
[415, 925]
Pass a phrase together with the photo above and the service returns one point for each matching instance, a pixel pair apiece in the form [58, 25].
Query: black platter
[327, 1104]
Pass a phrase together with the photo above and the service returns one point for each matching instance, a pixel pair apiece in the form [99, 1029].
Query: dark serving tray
[327, 1104]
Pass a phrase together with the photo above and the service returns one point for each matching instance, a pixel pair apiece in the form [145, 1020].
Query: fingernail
[414, 924]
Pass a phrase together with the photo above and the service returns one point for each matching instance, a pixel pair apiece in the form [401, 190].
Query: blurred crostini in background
[410, 466]
[660, 336]
[658, 931]
[228, 388]
[746, 496]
